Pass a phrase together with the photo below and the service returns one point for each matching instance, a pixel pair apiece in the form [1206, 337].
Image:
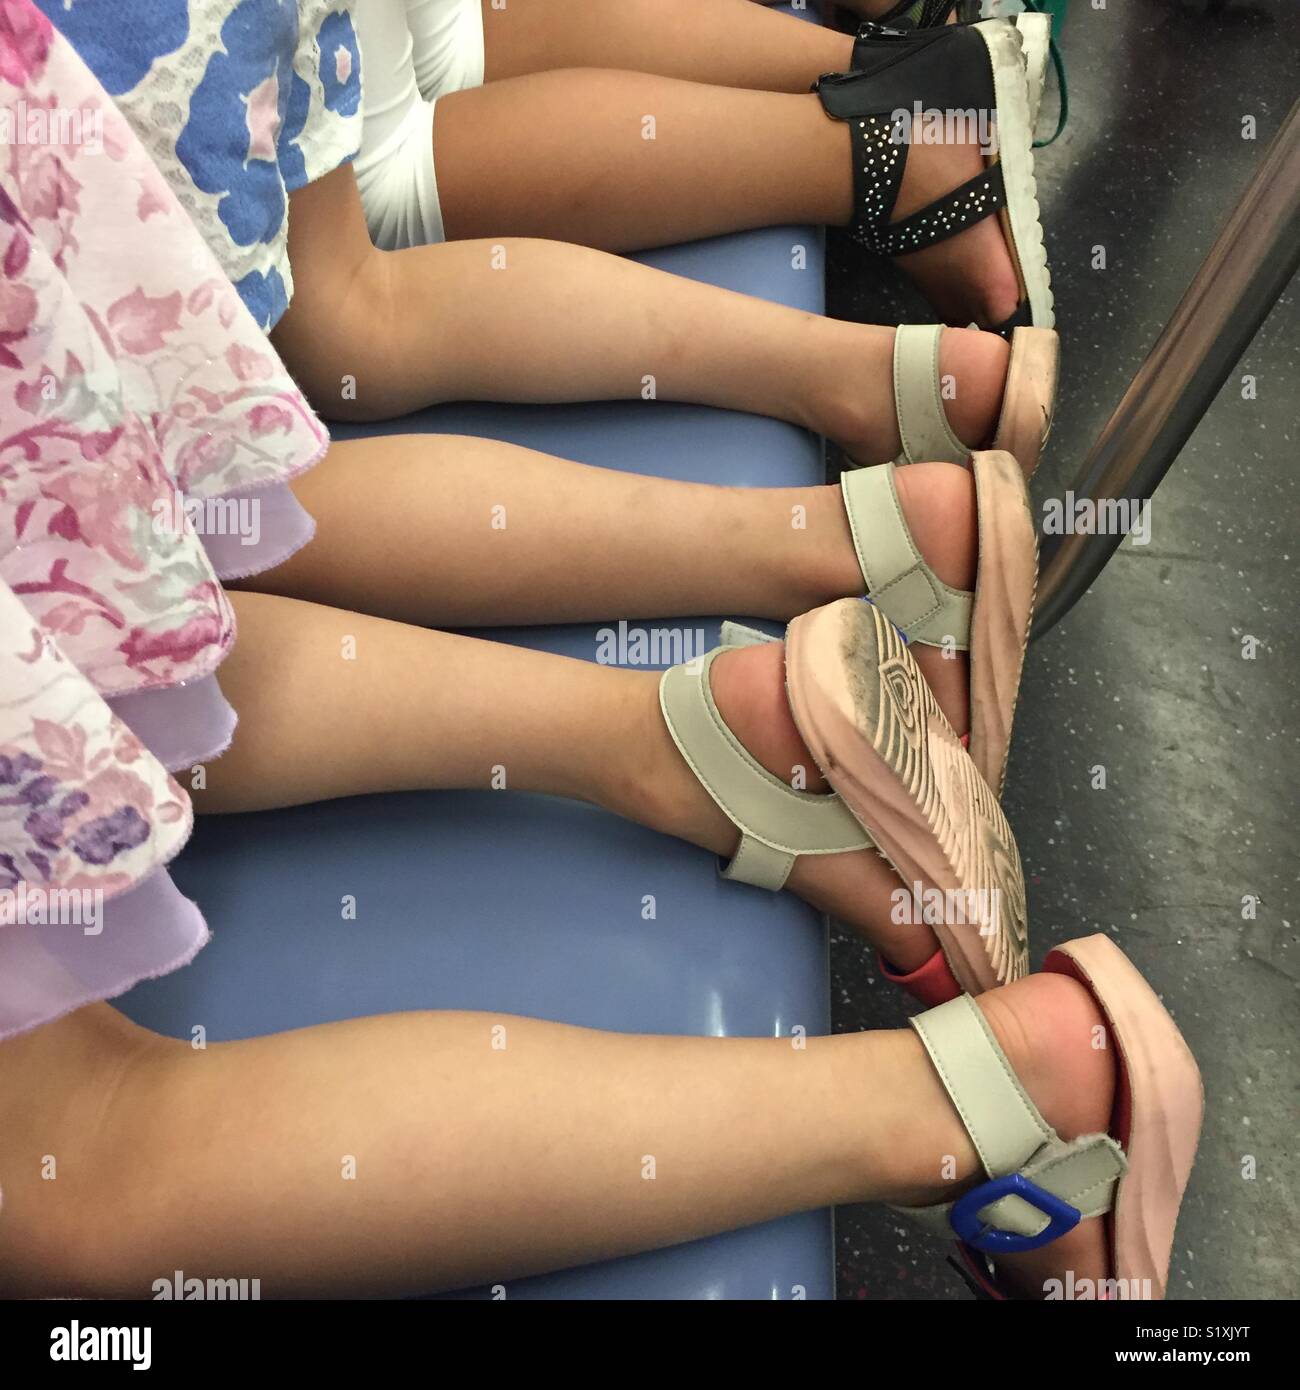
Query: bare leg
[334, 703]
[727, 42]
[455, 531]
[541, 321]
[569, 155]
[620, 546]
[475, 1161]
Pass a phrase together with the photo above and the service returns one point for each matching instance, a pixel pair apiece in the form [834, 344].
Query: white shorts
[412, 52]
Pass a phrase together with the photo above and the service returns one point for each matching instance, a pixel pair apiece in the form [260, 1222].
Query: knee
[73, 1098]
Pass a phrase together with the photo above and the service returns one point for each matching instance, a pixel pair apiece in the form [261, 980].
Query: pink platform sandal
[903, 785]
[872, 725]
[1038, 1185]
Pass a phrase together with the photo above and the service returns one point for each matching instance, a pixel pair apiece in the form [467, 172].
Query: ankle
[852, 400]
[940, 1161]
[648, 781]
[823, 560]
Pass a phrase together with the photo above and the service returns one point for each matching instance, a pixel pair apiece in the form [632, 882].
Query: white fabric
[413, 52]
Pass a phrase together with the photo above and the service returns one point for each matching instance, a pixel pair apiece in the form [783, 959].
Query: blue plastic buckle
[965, 1216]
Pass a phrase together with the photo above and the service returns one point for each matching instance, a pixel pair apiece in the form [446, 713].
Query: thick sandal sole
[872, 724]
[1165, 1102]
[1029, 398]
[1016, 154]
[1036, 36]
[1005, 586]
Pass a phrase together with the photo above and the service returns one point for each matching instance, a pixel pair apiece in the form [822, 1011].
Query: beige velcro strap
[899, 582]
[736, 634]
[918, 400]
[776, 822]
[1006, 1128]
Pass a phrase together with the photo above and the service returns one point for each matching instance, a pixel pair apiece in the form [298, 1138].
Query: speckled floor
[1147, 677]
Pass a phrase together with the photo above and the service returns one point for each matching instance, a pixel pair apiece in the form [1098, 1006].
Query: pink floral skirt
[147, 434]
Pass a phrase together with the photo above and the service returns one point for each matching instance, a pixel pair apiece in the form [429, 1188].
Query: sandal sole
[1036, 34]
[1161, 1085]
[1021, 218]
[872, 725]
[1029, 397]
[1006, 583]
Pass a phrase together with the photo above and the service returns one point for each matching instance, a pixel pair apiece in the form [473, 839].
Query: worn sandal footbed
[992, 624]
[872, 724]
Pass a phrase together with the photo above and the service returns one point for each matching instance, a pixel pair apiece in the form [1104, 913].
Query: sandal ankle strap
[1039, 1184]
[898, 580]
[918, 397]
[979, 197]
[736, 634]
[777, 823]
[944, 68]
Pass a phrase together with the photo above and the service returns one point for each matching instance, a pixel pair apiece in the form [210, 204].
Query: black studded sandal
[970, 71]
[1035, 34]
